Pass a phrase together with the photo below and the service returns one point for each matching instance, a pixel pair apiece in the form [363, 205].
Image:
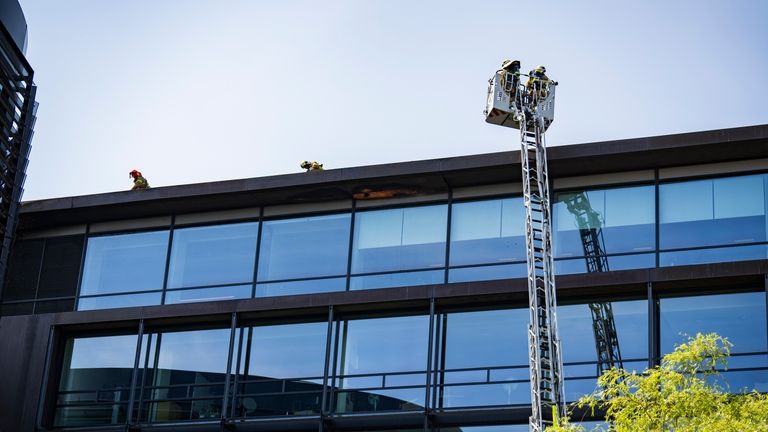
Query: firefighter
[312, 166]
[510, 69]
[538, 84]
[139, 182]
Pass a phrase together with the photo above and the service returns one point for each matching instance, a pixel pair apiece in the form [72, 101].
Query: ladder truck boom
[531, 110]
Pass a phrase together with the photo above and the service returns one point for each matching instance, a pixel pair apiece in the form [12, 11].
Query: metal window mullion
[82, 264]
[258, 251]
[350, 251]
[227, 378]
[168, 258]
[449, 224]
[235, 383]
[657, 215]
[327, 360]
[428, 375]
[136, 359]
[144, 377]
[653, 327]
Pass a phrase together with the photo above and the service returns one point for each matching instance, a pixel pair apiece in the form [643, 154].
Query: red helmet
[134, 174]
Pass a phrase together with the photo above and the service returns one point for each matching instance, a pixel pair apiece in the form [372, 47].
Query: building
[375, 298]
[17, 118]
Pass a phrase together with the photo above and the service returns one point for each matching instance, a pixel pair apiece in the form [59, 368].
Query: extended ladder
[544, 354]
[532, 112]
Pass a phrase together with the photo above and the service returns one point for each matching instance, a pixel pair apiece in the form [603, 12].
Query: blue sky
[192, 91]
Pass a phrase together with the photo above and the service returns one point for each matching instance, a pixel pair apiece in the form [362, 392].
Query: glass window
[284, 373]
[187, 381]
[392, 280]
[95, 381]
[301, 287]
[125, 263]
[23, 270]
[576, 326]
[740, 317]
[212, 255]
[485, 366]
[577, 323]
[484, 232]
[304, 247]
[400, 239]
[490, 272]
[382, 364]
[119, 301]
[230, 292]
[723, 211]
[61, 267]
[615, 263]
[625, 218]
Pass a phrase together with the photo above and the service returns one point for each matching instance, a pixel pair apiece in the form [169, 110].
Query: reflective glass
[615, 263]
[706, 256]
[125, 263]
[187, 381]
[119, 301]
[95, 380]
[575, 324]
[710, 212]
[212, 255]
[284, 374]
[625, 216]
[208, 294]
[300, 287]
[391, 280]
[473, 341]
[491, 272]
[400, 239]
[484, 232]
[740, 317]
[377, 347]
[304, 247]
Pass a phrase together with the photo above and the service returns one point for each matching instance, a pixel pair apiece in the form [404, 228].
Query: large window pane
[369, 351]
[484, 366]
[304, 247]
[119, 301]
[301, 287]
[95, 381]
[711, 212]
[576, 325]
[212, 255]
[485, 232]
[187, 381]
[125, 263]
[284, 374]
[626, 217]
[740, 317]
[400, 239]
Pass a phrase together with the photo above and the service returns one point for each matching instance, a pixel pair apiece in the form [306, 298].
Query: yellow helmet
[541, 69]
[508, 63]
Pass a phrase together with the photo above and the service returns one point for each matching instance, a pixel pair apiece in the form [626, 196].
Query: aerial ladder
[511, 104]
[590, 224]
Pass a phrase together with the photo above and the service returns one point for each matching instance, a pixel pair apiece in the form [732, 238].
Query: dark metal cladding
[17, 120]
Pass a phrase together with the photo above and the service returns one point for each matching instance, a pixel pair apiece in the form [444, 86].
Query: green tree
[680, 395]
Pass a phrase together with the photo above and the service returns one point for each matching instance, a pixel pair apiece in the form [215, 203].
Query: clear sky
[192, 91]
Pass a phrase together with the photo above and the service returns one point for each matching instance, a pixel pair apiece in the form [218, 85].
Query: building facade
[17, 119]
[389, 297]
